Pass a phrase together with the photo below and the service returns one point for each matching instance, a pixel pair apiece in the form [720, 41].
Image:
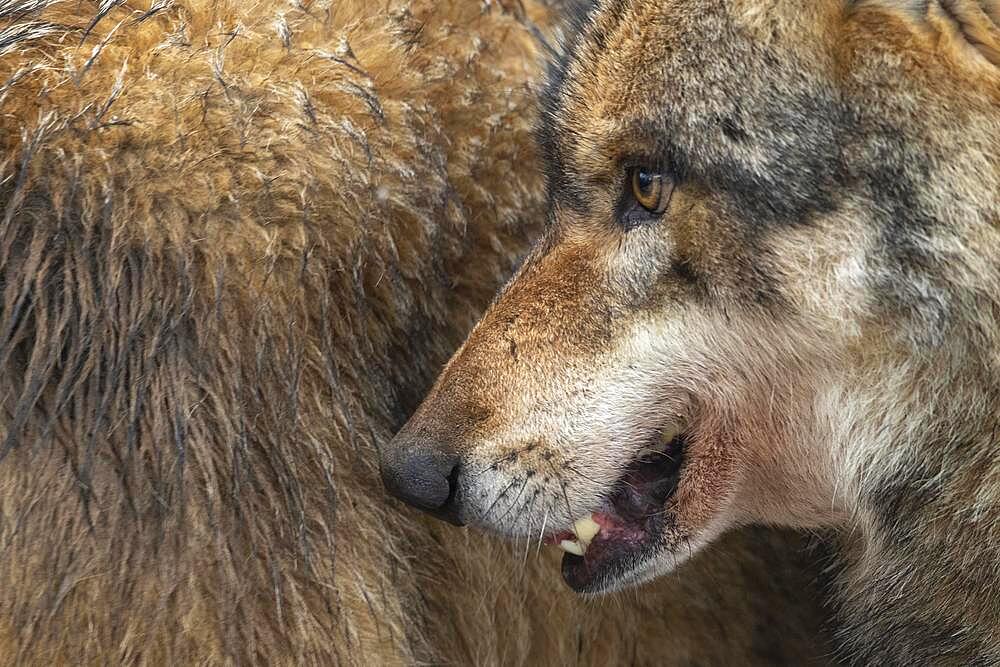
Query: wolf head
[767, 287]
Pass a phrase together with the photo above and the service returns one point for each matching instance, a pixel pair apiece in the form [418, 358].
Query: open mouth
[629, 526]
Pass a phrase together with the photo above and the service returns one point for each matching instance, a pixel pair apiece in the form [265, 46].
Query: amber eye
[652, 190]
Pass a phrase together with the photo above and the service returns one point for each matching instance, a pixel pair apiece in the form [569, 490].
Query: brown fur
[816, 308]
[236, 239]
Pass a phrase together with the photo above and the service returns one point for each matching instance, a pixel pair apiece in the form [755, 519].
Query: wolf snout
[423, 474]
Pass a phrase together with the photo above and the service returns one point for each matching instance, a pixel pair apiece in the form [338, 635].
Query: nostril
[452, 485]
[426, 478]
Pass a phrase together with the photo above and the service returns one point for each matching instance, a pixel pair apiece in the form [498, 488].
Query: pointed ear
[970, 26]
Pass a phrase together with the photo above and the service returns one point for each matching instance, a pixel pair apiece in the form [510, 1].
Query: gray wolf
[767, 293]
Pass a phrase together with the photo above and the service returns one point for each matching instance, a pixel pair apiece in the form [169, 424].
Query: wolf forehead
[781, 105]
[706, 93]
[780, 112]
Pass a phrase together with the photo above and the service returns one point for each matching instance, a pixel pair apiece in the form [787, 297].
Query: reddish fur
[253, 252]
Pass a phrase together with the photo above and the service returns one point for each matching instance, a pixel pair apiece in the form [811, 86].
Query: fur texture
[237, 238]
[814, 307]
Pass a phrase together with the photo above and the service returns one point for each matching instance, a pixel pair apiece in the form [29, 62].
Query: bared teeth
[573, 547]
[585, 530]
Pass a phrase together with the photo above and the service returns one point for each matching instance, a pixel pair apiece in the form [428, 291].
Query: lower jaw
[579, 576]
[583, 578]
[606, 566]
[622, 538]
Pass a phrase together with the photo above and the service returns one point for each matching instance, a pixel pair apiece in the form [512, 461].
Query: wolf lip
[631, 520]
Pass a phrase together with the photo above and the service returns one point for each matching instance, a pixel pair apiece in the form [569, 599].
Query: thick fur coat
[237, 240]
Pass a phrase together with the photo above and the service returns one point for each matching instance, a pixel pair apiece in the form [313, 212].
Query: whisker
[497, 499]
[513, 503]
[541, 535]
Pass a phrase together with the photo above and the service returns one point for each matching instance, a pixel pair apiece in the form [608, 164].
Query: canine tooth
[585, 529]
[572, 546]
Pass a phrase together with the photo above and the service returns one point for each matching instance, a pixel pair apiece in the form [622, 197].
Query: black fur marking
[687, 273]
[561, 185]
[906, 493]
[733, 130]
[909, 284]
[795, 182]
[548, 133]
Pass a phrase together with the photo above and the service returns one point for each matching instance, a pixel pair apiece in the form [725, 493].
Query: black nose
[425, 477]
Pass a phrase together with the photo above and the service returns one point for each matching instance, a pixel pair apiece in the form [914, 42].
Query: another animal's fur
[236, 240]
[819, 305]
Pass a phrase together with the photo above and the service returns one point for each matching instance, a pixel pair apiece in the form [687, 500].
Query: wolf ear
[973, 25]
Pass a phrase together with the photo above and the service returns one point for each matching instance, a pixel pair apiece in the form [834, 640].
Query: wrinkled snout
[423, 473]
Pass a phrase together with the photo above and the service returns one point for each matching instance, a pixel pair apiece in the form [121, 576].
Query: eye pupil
[645, 181]
[651, 190]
